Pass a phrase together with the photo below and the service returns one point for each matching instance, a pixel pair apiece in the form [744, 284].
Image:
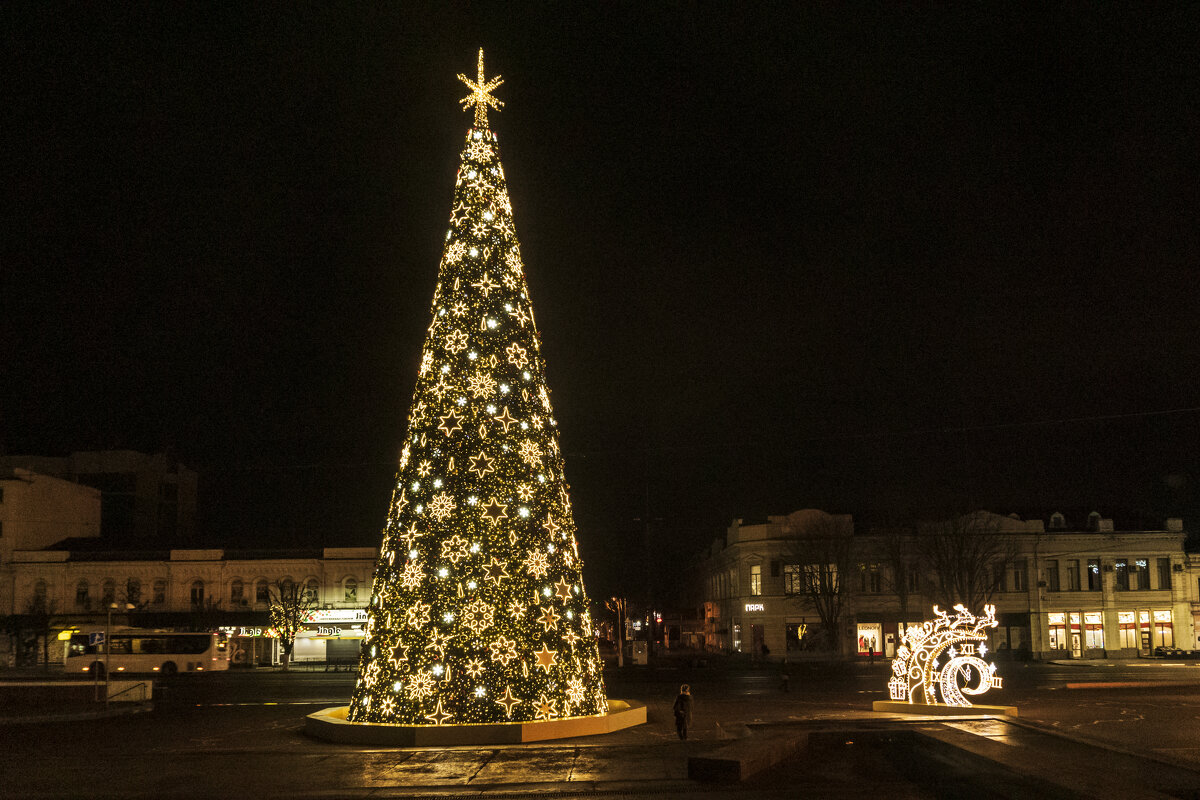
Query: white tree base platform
[938, 710]
[331, 725]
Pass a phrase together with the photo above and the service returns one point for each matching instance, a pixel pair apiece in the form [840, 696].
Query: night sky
[887, 262]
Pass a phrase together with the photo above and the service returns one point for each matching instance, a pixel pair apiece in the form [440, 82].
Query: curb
[1100, 744]
[124, 710]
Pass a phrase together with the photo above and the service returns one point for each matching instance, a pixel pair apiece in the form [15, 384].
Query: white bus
[147, 651]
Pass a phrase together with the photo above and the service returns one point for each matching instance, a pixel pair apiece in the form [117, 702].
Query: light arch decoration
[918, 670]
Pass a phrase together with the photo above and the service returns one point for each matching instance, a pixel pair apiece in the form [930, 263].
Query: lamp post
[108, 645]
[617, 604]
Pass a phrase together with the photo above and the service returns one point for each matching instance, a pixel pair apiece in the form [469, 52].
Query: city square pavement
[240, 734]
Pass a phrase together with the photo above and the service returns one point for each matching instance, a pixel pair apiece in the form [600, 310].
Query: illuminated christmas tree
[478, 612]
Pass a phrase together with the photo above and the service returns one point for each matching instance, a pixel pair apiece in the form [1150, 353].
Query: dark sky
[878, 261]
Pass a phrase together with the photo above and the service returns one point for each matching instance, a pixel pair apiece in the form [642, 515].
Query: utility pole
[617, 604]
[648, 556]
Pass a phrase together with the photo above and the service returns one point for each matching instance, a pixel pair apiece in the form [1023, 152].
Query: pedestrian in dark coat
[683, 710]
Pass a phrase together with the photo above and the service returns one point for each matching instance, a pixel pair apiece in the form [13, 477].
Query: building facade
[144, 497]
[195, 590]
[1061, 593]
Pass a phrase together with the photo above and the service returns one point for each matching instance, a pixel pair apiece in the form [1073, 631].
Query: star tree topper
[480, 95]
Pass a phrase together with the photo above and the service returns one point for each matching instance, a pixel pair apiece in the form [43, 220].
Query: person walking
[683, 711]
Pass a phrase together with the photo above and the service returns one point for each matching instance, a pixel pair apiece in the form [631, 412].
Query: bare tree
[967, 557]
[899, 551]
[207, 615]
[42, 616]
[820, 552]
[291, 607]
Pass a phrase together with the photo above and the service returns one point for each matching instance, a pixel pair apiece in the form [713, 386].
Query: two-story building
[58, 572]
[194, 589]
[1059, 592]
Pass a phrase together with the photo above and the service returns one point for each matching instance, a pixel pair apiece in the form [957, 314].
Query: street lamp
[108, 643]
[617, 604]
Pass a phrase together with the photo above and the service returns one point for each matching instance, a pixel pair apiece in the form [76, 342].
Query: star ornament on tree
[481, 464]
[496, 570]
[480, 95]
[438, 716]
[495, 511]
[508, 701]
[546, 658]
[563, 590]
[450, 423]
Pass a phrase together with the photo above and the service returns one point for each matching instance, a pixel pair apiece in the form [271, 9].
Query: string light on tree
[481, 510]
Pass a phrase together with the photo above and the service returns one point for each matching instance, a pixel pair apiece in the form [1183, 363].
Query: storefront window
[1128, 625]
[1164, 634]
[1057, 628]
[870, 638]
[795, 633]
[1093, 630]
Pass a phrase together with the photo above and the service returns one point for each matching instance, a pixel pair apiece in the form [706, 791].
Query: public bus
[138, 651]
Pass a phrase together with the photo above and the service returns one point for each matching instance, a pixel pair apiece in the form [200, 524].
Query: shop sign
[321, 615]
[756, 607]
[248, 631]
[1162, 616]
[331, 632]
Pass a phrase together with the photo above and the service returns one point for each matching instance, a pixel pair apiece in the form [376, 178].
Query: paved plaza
[240, 734]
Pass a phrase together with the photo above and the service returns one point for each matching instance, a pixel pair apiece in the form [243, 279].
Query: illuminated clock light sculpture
[942, 661]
